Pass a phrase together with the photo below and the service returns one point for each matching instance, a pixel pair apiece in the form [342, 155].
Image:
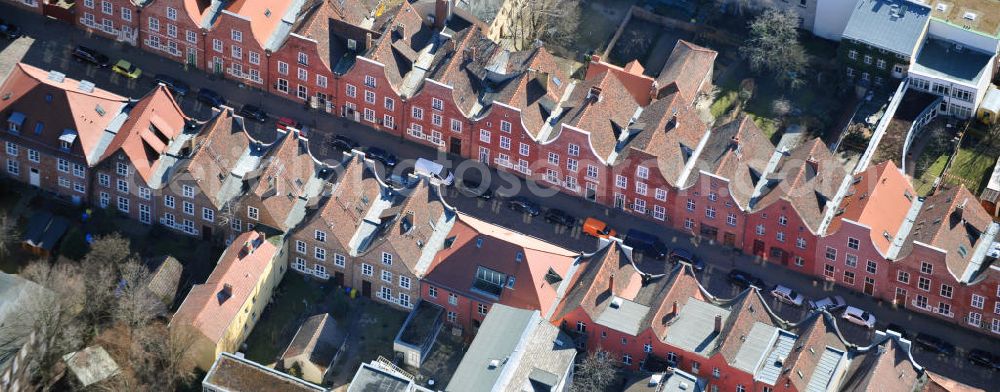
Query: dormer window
[519, 257]
[489, 281]
[15, 122]
[66, 139]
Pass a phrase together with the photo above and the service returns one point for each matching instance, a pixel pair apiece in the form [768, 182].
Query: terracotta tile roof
[153, 123]
[939, 383]
[538, 267]
[637, 83]
[688, 66]
[37, 94]
[739, 152]
[410, 223]
[952, 220]
[536, 89]
[317, 22]
[886, 367]
[808, 177]
[315, 341]
[215, 153]
[601, 106]
[816, 334]
[283, 175]
[880, 197]
[265, 16]
[672, 140]
[399, 45]
[746, 310]
[351, 198]
[211, 307]
[453, 66]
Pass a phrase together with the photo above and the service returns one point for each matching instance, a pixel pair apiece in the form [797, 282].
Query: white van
[434, 170]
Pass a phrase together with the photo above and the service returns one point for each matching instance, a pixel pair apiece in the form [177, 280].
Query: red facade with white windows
[113, 19]
[365, 95]
[170, 29]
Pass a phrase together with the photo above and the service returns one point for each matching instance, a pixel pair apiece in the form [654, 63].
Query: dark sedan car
[210, 97]
[523, 205]
[85, 54]
[681, 254]
[253, 112]
[176, 86]
[744, 279]
[344, 143]
[475, 189]
[934, 344]
[381, 155]
[984, 358]
[560, 217]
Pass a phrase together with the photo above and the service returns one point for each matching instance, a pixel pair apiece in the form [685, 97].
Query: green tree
[774, 47]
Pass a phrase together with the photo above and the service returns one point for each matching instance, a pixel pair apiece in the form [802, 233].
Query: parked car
[559, 217]
[523, 205]
[253, 112]
[787, 295]
[681, 254]
[899, 329]
[10, 31]
[344, 143]
[85, 54]
[984, 358]
[176, 86]
[742, 278]
[378, 154]
[210, 97]
[646, 243]
[285, 123]
[127, 69]
[828, 303]
[433, 169]
[934, 344]
[475, 189]
[859, 317]
[597, 228]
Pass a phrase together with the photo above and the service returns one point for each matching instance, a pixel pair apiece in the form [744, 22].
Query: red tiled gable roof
[349, 202]
[672, 140]
[939, 383]
[601, 106]
[451, 67]
[536, 90]
[317, 23]
[748, 310]
[889, 369]
[951, 220]
[264, 16]
[211, 307]
[816, 334]
[880, 197]
[215, 153]
[688, 66]
[737, 151]
[399, 45]
[499, 249]
[606, 273]
[808, 177]
[30, 91]
[287, 169]
[631, 76]
[419, 212]
[153, 123]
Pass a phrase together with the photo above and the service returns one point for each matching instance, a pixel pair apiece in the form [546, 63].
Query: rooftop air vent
[86, 86]
[56, 76]
[969, 16]
[616, 303]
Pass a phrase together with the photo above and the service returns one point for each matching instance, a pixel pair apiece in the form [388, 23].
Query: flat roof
[623, 315]
[985, 18]
[944, 60]
[694, 330]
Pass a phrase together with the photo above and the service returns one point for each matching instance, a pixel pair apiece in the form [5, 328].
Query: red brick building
[176, 29]
[787, 211]
[717, 192]
[113, 19]
[30, 5]
[521, 272]
[56, 152]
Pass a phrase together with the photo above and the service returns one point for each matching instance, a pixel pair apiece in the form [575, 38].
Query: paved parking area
[48, 45]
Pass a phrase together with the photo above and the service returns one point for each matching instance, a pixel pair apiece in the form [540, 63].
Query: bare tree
[100, 268]
[551, 21]
[595, 373]
[135, 305]
[8, 233]
[54, 317]
[774, 47]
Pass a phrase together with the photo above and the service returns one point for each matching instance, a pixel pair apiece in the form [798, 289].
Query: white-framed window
[107, 8]
[481, 308]
[236, 35]
[484, 136]
[303, 58]
[417, 113]
[370, 81]
[690, 205]
[145, 193]
[168, 201]
[253, 213]
[33, 156]
[126, 14]
[404, 282]
[573, 150]
[123, 204]
[923, 283]
[217, 45]
[853, 243]
[304, 75]
[640, 188]
[903, 277]
[437, 120]
[369, 115]
[386, 258]
[437, 104]
[254, 57]
[642, 172]
[367, 269]
[187, 207]
[452, 299]
[759, 229]
[390, 103]
[712, 196]
[191, 36]
[104, 180]
[731, 219]
[947, 291]
[302, 92]
[659, 212]
[553, 158]
[800, 243]
[105, 199]
[432, 291]
[319, 253]
[283, 69]
[320, 81]
[349, 89]
[456, 125]
[688, 223]
[621, 181]
[504, 142]
[926, 268]
[236, 52]
[122, 186]
[977, 301]
[505, 126]
[339, 260]
[12, 149]
[62, 165]
[369, 96]
[831, 253]
[851, 260]
[13, 167]
[660, 194]
[639, 206]
[88, 3]
[283, 85]
[171, 30]
[710, 212]
[388, 121]
[300, 246]
[452, 317]
[386, 276]
[208, 214]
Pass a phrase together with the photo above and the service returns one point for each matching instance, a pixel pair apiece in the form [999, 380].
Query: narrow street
[48, 45]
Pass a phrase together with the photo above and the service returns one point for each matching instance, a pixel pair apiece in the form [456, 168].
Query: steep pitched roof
[89, 115]
[349, 201]
[399, 46]
[536, 89]
[631, 75]
[688, 66]
[808, 177]
[737, 151]
[211, 307]
[886, 366]
[683, 287]
[407, 227]
[536, 267]
[880, 198]
[319, 22]
[270, 21]
[954, 221]
[216, 152]
[153, 123]
[669, 130]
[601, 106]
[747, 312]
[818, 347]
[316, 341]
[286, 171]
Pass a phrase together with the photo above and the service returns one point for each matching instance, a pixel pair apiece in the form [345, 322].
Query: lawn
[974, 162]
[925, 182]
[293, 302]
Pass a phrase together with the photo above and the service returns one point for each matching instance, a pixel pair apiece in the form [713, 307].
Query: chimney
[654, 89]
[594, 93]
[442, 12]
[718, 323]
[401, 30]
[611, 283]
[734, 143]
[595, 58]
[225, 293]
[368, 40]
[673, 308]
